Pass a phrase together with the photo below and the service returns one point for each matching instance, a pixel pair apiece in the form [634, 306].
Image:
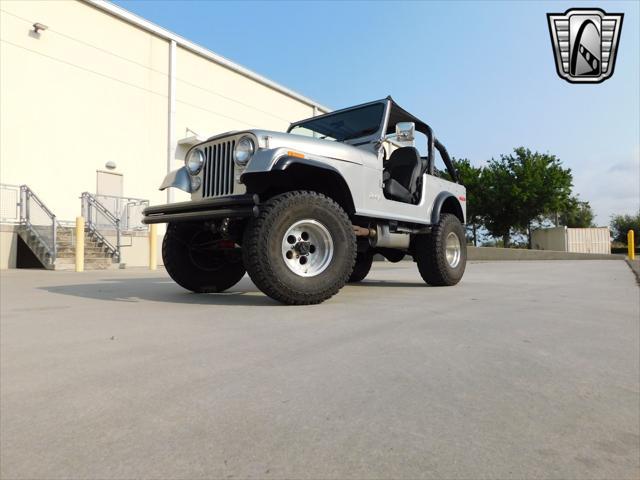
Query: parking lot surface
[524, 370]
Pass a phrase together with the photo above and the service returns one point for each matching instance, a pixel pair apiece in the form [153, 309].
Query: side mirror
[405, 131]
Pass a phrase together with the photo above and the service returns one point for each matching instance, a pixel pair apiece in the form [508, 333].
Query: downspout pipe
[171, 113]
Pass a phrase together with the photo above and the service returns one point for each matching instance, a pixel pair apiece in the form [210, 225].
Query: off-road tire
[179, 262]
[262, 248]
[361, 269]
[430, 253]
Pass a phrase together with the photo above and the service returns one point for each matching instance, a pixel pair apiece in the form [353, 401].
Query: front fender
[266, 160]
[178, 179]
[285, 162]
[290, 172]
[263, 159]
[280, 159]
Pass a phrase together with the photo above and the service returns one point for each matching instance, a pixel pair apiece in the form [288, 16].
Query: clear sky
[481, 73]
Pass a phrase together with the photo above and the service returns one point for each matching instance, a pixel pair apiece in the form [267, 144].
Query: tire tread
[259, 229]
[432, 263]
[364, 261]
[186, 275]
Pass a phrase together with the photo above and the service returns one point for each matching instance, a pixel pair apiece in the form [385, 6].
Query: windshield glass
[342, 126]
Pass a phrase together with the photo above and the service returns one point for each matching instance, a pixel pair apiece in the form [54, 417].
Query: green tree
[470, 177]
[499, 213]
[577, 214]
[621, 224]
[523, 187]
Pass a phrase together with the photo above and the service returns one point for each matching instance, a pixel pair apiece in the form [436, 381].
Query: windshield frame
[374, 140]
[370, 138]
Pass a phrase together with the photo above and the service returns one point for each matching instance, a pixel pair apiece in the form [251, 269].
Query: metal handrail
[122, 198]
[92, 198]
[122, 208]
[27, 195]
[38, 201]
[89, 201]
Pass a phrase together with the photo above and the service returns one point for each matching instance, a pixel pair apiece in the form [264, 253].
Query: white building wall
[88, 90]
[94, 87]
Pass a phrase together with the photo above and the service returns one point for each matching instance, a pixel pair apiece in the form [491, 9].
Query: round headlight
[194, 161]
[243, 151]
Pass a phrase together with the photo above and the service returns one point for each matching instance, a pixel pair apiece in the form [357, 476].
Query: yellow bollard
[79, 244]
[153, 247]
[631, 244]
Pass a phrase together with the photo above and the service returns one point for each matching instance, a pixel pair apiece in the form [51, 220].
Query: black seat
[401, 174]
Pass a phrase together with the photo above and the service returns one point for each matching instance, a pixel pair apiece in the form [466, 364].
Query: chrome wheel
[307, 248]
[453, 250]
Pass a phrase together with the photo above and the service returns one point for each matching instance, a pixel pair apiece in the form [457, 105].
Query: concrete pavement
[524, 370]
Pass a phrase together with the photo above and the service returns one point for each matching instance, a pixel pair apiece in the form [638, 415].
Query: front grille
[217, 171]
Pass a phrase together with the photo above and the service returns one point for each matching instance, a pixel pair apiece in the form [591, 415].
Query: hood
[313, 146]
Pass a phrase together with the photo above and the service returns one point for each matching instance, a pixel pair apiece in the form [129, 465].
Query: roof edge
[151, 27]
[358, 105]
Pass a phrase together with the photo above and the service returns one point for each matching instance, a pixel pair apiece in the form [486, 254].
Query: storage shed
[578, 240]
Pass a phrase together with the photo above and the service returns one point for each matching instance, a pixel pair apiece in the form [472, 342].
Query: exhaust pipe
[380, 236]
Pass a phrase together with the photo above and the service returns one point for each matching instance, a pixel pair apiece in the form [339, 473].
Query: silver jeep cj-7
[304, 212]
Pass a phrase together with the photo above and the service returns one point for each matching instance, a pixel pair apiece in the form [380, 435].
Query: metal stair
[37, 245]
[107, 218]
[37, 227]
[51, 242]
[96, 255]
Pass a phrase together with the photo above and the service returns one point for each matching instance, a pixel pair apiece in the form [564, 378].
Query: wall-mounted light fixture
[37, 27]
[110, 165]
